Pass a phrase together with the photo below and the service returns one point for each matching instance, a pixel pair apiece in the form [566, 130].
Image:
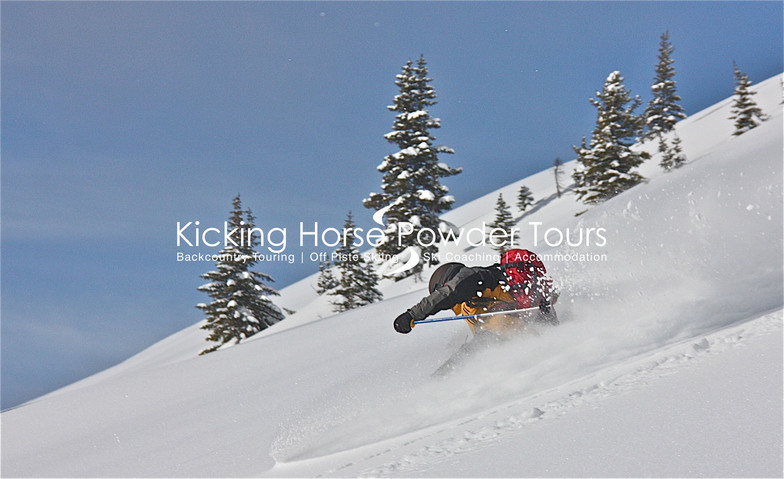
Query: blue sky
[121, 119]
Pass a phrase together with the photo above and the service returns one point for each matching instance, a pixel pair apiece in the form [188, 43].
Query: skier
[518, 282]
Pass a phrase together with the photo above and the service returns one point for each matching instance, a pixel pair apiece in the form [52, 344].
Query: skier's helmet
[443, 274]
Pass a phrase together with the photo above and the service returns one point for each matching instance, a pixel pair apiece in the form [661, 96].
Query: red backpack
[526, 277]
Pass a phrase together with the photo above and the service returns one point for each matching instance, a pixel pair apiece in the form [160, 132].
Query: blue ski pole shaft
[474, 316]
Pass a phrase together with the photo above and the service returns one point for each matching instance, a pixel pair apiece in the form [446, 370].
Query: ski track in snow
[411, 454]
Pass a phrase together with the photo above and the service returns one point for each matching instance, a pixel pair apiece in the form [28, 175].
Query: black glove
[544, 307]
[404, 323]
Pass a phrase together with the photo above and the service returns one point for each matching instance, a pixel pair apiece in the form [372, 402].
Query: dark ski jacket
[478, 287]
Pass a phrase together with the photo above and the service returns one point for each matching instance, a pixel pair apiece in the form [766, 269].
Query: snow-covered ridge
[667, 362]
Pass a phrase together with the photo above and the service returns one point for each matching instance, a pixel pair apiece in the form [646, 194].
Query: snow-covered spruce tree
[358, 283]
[606, 166]
[672, 154]
[745, 111]
[503, 221]
[411, 183]
[558, 173]
[326, 279]
[524, 199]
[664, 110]
[240, 304]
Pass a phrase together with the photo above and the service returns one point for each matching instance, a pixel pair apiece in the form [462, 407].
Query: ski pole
[474, 316]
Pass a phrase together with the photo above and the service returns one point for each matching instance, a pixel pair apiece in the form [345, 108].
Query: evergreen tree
[411, 185]
[557, 172]
[672, 155]
[606, 166]
[240, 304]
[663, 111]
[326, 279]
[744, 108]
[358, 281]
[503, 221]
[524, 199]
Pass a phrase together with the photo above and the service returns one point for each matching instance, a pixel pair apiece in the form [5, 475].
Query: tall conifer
[240, 304]
[664, 109]
[505, 223]
[525, 198]
[358, 282]
[326, 279]
[607, 165]
[412, 192]
[745, 112]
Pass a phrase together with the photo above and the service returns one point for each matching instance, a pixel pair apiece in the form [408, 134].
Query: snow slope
[668, 361]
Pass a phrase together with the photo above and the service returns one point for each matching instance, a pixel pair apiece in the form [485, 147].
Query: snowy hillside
[668, 361]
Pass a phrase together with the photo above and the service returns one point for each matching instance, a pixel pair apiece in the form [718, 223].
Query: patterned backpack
[527, 278]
